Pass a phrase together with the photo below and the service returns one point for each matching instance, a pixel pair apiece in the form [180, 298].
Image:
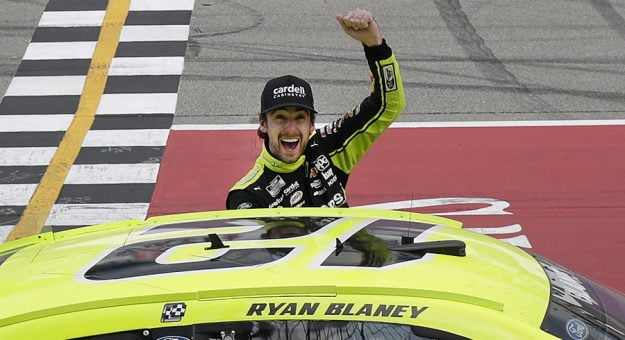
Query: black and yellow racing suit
[319, 177]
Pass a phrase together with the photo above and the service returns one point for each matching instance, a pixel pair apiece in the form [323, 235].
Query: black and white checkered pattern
[173, 312]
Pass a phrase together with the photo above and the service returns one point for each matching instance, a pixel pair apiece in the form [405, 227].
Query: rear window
[580, 308]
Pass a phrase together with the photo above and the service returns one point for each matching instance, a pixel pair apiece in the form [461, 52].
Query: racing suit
[319, 177]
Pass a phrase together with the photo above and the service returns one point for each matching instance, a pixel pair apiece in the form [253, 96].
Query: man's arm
[349, 138]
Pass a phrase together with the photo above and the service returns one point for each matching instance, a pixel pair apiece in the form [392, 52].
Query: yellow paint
[496, 291]
[38, 209]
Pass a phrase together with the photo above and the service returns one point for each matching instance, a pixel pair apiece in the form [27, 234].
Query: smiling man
[303, 167]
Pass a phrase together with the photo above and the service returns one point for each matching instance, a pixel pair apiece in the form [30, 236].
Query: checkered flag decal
[173, 312]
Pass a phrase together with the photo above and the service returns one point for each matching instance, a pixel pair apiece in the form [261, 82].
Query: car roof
[75, 270]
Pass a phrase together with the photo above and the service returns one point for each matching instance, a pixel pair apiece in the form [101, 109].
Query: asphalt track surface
[461, 61]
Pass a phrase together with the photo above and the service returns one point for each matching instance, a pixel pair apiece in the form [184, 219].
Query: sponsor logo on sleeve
[250, 176]
[390, 82]
[354, 111]
[332, 127]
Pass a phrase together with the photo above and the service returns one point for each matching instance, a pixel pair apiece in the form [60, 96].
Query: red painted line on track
[565, 185]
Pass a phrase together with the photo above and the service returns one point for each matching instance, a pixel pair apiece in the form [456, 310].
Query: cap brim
[277, 106]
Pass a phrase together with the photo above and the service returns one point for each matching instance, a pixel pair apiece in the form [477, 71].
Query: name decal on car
[334, 309]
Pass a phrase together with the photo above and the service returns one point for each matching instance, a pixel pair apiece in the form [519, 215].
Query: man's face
[288, 129]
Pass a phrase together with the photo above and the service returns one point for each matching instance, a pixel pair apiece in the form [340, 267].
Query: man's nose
[290, 123]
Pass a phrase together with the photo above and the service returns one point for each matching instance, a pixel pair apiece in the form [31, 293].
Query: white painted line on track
[154, 33]
[519, 241]
[71, 18]
[136, 103]
[26, 156]
[34, 123]
[4, 232]
[112, 138]
[146, 66]
[16, 194]
[516, 123]
[46, 86]
[112, 173]
[161, 5]
[509, 229]
[215, 127]
[532, 123]
[90, 214]
[60, 50]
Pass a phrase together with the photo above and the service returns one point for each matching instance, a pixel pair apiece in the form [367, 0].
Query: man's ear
[262, 121]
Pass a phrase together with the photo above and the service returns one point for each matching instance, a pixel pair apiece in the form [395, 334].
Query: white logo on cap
[295, 91]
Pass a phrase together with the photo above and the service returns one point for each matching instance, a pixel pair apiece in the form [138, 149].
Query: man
[301, 167]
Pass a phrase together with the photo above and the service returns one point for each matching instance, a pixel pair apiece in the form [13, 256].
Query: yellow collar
[276, 165]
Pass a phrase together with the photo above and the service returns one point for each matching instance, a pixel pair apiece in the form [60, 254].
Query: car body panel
[75, 274]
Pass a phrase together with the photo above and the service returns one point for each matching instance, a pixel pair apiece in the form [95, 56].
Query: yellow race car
[308, 273]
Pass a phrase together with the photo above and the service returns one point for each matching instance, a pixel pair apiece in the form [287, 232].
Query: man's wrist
[381, 51]
[374, 43]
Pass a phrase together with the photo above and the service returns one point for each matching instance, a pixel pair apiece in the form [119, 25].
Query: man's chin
[290, 160]
[290, 157]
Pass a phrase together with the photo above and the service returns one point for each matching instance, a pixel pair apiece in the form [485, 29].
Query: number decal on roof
[234, 244]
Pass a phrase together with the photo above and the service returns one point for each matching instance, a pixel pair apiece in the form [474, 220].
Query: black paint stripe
[151, 49]
[62, 34]
[105, 193]
[120, 155]
[31, 139]
[21, 174]
[10, 214]
[59, 34]
[62, 67]
[76, 5]
[23, 105]
[142, 84]
[158, 18]
[126, 122]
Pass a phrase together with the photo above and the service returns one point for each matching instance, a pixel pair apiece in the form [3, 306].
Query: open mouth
[289, 143]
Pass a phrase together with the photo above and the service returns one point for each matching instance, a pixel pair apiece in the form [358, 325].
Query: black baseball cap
[286, 91]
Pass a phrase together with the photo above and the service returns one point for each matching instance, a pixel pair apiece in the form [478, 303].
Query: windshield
[287, 330]
[580, 308]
